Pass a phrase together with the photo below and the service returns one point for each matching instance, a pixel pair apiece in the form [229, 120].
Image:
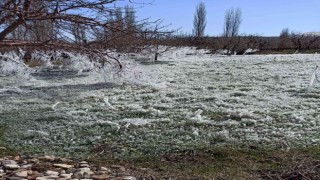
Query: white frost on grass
[54, 105]
[314, 76]
[106, 101]
[244, 99]
[197, 116]
[223, 135]
[41, 133]
[137, 121]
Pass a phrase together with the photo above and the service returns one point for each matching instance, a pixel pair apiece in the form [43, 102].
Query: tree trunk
[156, 56]
[10, 28]
[156, 53]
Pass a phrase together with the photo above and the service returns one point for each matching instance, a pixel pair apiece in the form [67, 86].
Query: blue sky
[263, 17]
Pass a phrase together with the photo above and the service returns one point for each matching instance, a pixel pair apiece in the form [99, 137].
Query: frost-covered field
[182, 102]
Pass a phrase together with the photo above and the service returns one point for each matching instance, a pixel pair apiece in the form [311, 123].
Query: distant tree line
[294, 43]
[232, 43]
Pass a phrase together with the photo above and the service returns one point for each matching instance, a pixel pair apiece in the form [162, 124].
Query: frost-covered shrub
[131, 72]
[12, 65]
[80, 63]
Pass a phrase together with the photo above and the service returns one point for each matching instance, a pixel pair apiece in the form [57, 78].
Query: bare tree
[284, 39]
[79, 33]
[232, 22]
[152, 37]
[199, 21]
[26, 15]
[285, 33]
[304, 41]
[129, 17]
[118, 18]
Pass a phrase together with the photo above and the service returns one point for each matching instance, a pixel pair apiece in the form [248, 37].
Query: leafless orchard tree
[245, 42]
[153, 40]
[78, 26]
[199, 21]
[304, 41]
[298, 41]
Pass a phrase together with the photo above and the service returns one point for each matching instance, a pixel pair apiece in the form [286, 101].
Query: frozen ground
[184, 102]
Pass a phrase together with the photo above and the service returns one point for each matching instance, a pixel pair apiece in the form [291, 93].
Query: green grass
[207, 162]
[4, 149]
[220, 163]
[217, 115]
